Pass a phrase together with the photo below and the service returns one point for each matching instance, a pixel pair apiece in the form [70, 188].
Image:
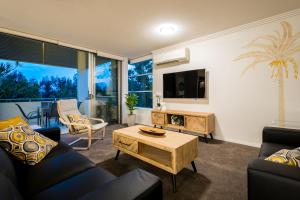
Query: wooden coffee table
[170, 152]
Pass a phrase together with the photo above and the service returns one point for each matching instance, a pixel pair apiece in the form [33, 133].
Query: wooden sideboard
[198, 122]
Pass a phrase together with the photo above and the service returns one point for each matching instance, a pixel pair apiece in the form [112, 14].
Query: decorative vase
[158, 103]
[131, 119]
[163, 106]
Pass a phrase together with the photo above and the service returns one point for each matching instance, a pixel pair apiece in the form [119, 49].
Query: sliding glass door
[35, 74]
[106, 80]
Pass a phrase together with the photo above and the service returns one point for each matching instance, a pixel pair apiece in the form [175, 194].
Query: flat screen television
[186, 84]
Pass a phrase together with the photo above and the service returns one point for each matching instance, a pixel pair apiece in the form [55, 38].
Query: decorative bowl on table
[151, 130]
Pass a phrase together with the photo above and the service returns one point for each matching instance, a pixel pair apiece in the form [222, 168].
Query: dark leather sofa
[269, 180]
[66, 174]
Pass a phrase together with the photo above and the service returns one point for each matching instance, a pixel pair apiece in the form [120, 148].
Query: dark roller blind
[60, 56]
[20, 49]
[101, 60]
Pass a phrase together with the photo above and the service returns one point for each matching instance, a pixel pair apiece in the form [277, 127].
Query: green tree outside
[14, 85]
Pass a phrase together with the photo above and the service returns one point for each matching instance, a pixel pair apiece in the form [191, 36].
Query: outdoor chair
[66, 108]
[53, 113]
[44, 112]
[79, 104]
[31, 115]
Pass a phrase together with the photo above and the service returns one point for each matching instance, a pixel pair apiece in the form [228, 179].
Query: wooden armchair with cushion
[77, 123]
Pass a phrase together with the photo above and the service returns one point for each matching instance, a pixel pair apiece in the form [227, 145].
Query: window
[140, 82]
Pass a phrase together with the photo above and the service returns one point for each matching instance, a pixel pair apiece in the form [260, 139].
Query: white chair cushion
[67, 107]
[99, 126]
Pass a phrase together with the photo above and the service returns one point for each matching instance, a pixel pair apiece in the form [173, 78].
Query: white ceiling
[127, 27]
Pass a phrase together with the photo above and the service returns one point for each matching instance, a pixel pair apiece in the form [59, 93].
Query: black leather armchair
[269, 180]
[66, 174]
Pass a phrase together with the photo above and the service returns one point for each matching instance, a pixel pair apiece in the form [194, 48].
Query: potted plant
[177, 120]
[131, 102]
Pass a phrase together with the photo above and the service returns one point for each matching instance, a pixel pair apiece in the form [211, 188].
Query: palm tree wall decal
[277, 50]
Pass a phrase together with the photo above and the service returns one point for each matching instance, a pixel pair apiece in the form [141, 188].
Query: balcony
[39, 107]
[103, 107]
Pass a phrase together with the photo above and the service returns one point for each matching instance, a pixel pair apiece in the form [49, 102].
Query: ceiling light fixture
[167, 29]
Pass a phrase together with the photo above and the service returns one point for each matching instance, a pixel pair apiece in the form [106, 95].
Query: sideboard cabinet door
[197, 124]
[158, 118]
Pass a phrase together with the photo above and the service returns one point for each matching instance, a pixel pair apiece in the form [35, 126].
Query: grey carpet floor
[221, 169]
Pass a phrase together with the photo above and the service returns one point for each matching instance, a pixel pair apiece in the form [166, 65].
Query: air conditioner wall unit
[172, 57]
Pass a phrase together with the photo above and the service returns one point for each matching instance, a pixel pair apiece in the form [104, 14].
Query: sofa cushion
[6, 167]
[77, 186]
[8, 190]
[286, 157]
[268, 149]
[53, 133]
[59, 149]
[51, 171]
[25, 144]
[136, 184]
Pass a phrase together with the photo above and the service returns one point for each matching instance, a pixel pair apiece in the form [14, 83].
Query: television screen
[186, 84]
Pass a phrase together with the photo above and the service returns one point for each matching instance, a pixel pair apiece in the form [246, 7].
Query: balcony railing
[32, 99]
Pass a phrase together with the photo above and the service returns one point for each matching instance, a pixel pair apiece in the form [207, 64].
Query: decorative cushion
[25, 144]
[12, 122]
[286, 157]
[75, 118]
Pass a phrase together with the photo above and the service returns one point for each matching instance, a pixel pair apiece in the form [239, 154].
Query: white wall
[243, 105]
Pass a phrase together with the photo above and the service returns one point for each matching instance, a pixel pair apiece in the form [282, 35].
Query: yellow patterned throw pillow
[78, 119]
[286, 157]
[25, 144]
[12, 121]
